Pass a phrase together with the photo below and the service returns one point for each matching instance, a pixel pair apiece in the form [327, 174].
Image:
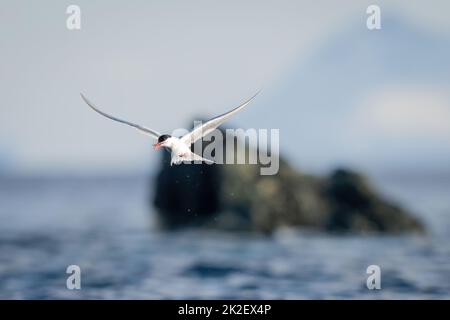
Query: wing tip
[257, 92]
[85, 99]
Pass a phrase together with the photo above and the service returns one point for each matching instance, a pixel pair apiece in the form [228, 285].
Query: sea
[106, 226]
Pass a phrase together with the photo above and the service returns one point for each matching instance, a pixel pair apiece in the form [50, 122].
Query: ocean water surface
[105, 226]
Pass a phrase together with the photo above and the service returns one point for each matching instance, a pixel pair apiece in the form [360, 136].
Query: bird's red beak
[157, 146]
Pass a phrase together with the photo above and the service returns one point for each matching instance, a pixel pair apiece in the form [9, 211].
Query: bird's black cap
[163, 137]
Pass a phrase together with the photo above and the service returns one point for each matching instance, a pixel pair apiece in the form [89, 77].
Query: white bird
[180, 147]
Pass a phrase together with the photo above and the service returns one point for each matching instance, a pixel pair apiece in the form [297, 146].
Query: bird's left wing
[212, 124]
[152, 133]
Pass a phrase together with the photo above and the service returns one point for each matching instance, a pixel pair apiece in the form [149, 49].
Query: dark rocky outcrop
[236, 197]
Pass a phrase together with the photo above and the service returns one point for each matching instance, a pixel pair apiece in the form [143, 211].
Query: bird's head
[163, 141]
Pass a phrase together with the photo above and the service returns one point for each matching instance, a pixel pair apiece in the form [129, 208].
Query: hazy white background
[339, 93]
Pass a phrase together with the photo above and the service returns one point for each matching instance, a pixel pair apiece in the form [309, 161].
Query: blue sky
[340, 94]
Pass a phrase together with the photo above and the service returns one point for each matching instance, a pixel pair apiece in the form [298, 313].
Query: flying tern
[180, 147]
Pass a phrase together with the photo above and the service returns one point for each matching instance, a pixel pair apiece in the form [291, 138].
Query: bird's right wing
[152, 133]
[211, 125]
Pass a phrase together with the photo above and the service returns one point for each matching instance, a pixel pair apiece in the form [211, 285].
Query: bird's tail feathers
[192, 157]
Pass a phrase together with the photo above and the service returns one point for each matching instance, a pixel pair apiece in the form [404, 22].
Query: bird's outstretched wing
[152, 133]
[212, 124]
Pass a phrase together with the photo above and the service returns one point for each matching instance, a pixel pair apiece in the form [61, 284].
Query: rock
[236, 197]
[187, 195]
[356, 206]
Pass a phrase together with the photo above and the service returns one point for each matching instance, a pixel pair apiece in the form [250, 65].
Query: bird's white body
[179, 147]
[181, 151]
